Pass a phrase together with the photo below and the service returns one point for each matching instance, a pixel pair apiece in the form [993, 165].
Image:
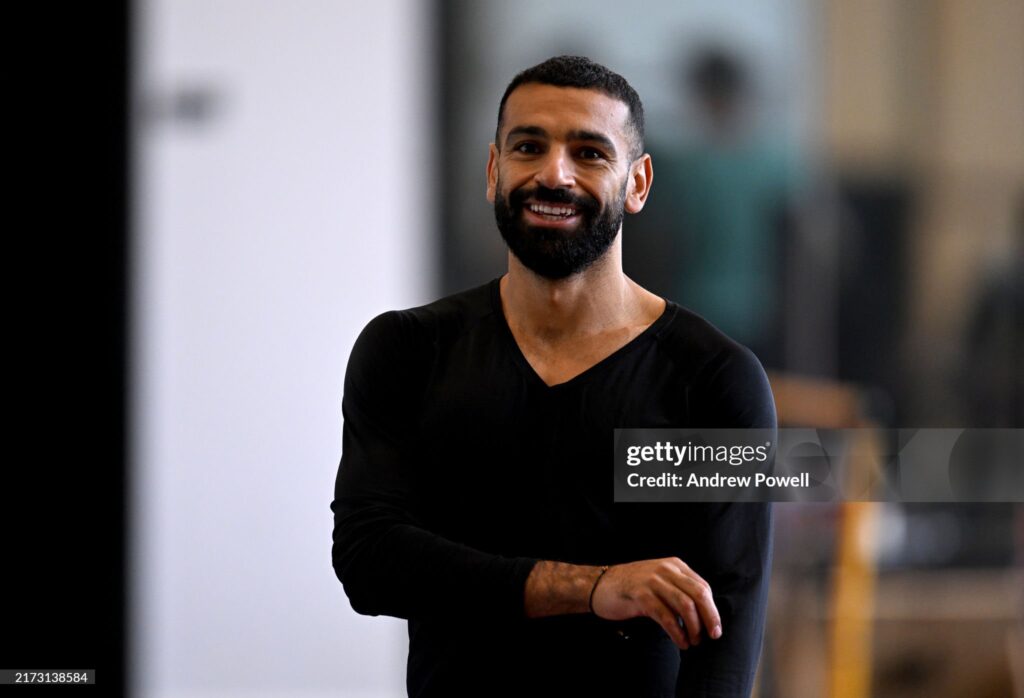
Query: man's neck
[598, 300]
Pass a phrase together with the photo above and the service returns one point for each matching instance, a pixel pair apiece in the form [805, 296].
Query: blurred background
[839, 185]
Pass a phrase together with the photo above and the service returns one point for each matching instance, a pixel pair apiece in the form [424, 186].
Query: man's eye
[591, 154]
[527, 148]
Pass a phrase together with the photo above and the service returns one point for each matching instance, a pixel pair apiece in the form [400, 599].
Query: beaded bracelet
[604, 568]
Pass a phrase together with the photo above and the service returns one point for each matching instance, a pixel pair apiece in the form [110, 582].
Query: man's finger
[667, 620]
[705, 601]
[700, 592]
[683, 608]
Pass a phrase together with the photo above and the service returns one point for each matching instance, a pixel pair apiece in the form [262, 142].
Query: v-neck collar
[641, 339]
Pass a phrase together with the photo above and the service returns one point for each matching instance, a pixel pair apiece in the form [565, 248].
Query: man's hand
[664, 590]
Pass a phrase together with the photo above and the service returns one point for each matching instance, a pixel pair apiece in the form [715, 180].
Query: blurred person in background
[474, 495]
[731, 191]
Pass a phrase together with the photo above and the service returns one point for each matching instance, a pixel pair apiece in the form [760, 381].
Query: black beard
[557, 254]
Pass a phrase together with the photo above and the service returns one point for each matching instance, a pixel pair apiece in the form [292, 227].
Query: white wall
[267, 233]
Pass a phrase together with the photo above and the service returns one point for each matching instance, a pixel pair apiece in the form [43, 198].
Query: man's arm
[735, 541]
[737, 558]
[388, 562]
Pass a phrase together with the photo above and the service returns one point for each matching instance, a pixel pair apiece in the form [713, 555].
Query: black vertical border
[66, 248]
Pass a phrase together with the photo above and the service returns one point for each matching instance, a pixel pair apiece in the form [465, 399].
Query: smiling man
[474, 496]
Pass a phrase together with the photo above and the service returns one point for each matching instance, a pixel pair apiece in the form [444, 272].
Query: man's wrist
[593, 589]
[559, 588]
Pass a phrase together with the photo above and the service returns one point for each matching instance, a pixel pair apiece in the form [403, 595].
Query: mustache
[583, 204]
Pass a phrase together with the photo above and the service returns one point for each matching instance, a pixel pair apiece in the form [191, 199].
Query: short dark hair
[579, 71]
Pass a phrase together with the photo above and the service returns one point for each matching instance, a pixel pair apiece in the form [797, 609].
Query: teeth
[552, 210]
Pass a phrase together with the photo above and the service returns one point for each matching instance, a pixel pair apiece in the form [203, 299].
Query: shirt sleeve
[386, 559]
[735, 550]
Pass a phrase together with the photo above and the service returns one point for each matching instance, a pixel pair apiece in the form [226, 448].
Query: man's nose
[557, 171]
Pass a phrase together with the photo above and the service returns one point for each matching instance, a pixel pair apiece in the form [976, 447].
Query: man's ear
[492, 172]
[641, 174]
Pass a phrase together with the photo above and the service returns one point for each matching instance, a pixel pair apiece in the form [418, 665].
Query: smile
[552, 211]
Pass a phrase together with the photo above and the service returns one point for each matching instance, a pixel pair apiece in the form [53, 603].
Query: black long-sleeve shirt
[461, 469]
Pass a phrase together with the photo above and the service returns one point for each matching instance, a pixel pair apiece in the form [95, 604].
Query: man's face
[560, 176]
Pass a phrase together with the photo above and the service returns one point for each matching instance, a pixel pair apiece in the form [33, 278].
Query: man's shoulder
[411, 327]
[398, 347]
[694, 343]
[725, 378]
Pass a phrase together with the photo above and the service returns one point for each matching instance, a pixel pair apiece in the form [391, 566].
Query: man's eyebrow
[525, 131]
